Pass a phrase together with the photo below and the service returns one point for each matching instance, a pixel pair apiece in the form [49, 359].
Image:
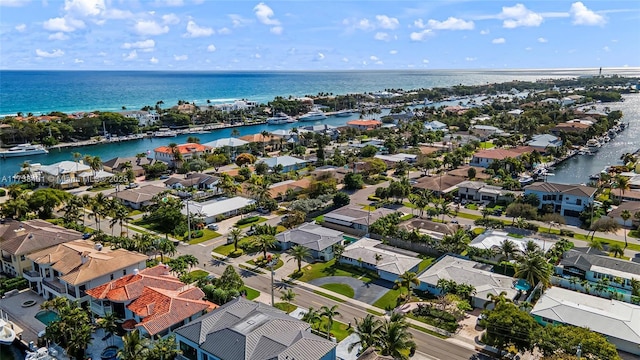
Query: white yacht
[593, 145]
[7, 335]
[313, 115]
[278, 119]
[525, 180]
[343, 113]
[24, 150]
[165, 132]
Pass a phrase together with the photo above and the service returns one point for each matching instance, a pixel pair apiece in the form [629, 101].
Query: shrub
[3, 192]
[197, 234]
[236, 253]
[12, 284]
[248, 220]
[568, 233]
[239, 178]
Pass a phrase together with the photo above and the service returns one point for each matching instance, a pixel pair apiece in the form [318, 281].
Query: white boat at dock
[525, 180]
[313, 115]
[279, 119]
[593, 145]
[165, 132]
[7, 334]
[24, 150]
[343, 113]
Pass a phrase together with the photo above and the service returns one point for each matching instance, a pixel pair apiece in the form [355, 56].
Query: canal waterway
[577, 169]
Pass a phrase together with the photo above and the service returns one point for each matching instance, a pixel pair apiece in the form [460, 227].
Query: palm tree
[616, 250]
[72, 210]
[299, 253]
[287, 296]
[507, 249]
[534, 268]
[265, 242]
[134, 346]
[236, 235]
[596, 244]
[496, 299]
[405, 280]
[329, 313]
[573, 281]
[86, 201]
[108, 324]
[338, 249]
[625, 215]
[264, 134]
[635, 287]
[119, 215]
[165, 246]
[622, 183]
[395, 339]
[96, 206]
[368, 330]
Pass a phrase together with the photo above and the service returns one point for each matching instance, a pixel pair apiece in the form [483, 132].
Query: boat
[525, 180]
[593, 145]
[313, 115]
[42, 354]
[165, 132]
[594, 177]
[278, 119]
[7, 335]
[343, 113]
[24, 150]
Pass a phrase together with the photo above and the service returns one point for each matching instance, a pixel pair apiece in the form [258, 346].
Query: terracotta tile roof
[258, 138]
[160, 308]
[184, 148]
[364, 122]
[501, 154]
[80, 261]
[297, 186]
[445, 183]
[26, 237]
[130, 287]
[464, 172]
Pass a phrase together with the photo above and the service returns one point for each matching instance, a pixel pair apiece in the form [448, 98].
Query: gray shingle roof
[586, 262]
[575, 190]
[311, 236]
[246, 330]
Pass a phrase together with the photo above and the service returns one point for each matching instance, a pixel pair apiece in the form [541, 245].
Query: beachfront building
[493, 239]
[388, 262]
[137, 198]
[364, 124]
[151, 300]
[543, 142]
[288, 163]
[214, 210]
[464, 271]
[71, 268]
[187, 151]
[237, 105]
[318, 239]
[19, 239]
[618, 321]
[484, 158]
[353, 219]
[567, 200]
[480, 192]
[245, 330]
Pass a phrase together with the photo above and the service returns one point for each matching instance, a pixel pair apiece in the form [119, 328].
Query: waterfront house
[261, 139]
[120, 164]
[226, 142]
[137, 198]
[574, 127]
[484, 158]
[234, 106]
[493, 239]
[480, 191]
[464, 271]
[245, 330]
[18, 239]
[323, 129]
[619, 322]
[435, 126]
[144, 118]
[630, 206]
[543, 142]
[566, 200]
[67, 174]
[463, 171]
[353, 219]
[629, 195]
[214, 210]
[318, 239]
[439, 185]
[70, 269]
[187, 152]
[435, 230]
[288, 163]
[388, 262]
[363, 124]
[485, 131]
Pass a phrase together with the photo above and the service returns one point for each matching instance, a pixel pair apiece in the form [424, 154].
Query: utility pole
[188, 219]
[271, 263]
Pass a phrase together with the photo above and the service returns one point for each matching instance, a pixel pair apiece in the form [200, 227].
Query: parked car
[480, 319]
[263, 210]
[164, 177]
[251, 231]
[86, 236]
[213, 227]
[132, 185]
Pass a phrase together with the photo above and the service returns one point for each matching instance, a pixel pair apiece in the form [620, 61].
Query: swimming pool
[349, 240]
[47, 317]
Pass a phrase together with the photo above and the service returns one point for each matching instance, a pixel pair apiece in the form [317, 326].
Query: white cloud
[63, 24]
[238, 21]
[150, 27]
[469, 58]
[425, 61]
[53, 54]
[451, 24]
[528, 48]
[320, 56]
[58, 36]
[224, 31]
[379, 62]
[195, 31]
[132, 55]
[170, 19]
[362, 24]
[84, 7]
[518, 15]
[174, 3]
[542, 40]
[180, 57]
[583, 16]
[484, 32]
[14, 3]
[148, 44]
[382, 36]
[257, 56]
[344, 59]
[421, 35]
[265, 14]
[21, 27]
[78, 61]
[386, 22]
[276, 30]
[102, 53]
[606, 48]
[419, 24]
[154, 60]
[498, 41]
[211, 48]
[117, 14]
[373, 58]
[393, 52]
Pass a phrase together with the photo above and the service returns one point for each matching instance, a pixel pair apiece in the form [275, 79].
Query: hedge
[237, 253]
[248, 220]
[3, 192]
[12, 284]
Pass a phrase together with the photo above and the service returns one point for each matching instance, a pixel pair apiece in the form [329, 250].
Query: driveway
[365, 292]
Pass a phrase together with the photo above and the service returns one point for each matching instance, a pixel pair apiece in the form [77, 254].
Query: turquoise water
[47, 317]
[349, 239]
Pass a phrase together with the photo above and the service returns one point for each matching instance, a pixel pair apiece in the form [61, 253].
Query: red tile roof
[183, 148]
[501, 154]
[160, 308]
[130, 287]
[364, 122]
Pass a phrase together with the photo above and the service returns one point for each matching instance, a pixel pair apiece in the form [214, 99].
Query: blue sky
[317, 35]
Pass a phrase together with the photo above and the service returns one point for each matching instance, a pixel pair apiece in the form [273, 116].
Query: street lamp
[271, 262]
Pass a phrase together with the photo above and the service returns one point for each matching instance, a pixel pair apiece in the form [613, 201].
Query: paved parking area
[365, 292]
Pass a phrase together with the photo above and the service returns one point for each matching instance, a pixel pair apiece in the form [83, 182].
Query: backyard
[332, 268]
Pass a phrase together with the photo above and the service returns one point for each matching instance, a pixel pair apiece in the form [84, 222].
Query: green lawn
[406, 217]
[278, 265]
[369, 208]
[319, 218]
[286, 307]
[330, 268]
[376, 313]
[334, 298]
[634, 234]
[228, 248]
[100, 188]
[479, 230]
[471, 206]
[388, 300]
[425, 264]
[135, 212]
[409, 205]
[338, 329]
[251, 293]
[469, 216]
[342, 289]
[260, 220]
[486, 145]
[208, 235]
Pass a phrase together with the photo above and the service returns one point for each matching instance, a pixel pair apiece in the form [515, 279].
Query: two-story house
[567, 200]
[479, 191]
[243, 330]
[67, 174]
[187, 152]
[484, 158]
[70, 269]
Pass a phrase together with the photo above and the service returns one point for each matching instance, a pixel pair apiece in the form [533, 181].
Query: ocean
[71, 91]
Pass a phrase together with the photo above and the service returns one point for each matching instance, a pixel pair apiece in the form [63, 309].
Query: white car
[213, 227]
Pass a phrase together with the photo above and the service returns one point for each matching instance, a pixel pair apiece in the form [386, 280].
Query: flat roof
[494, 238]
[217, 207]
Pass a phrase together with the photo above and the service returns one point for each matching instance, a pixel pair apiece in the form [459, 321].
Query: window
[111, 276]
[188, 352]
[578, 201]
[22, 258]
[124, 272]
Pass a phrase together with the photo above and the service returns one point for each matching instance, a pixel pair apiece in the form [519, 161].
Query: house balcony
[55, 285]
[99, 309]
[6, 258]
[31, 275]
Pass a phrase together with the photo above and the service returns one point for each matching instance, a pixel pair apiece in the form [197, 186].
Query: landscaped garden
[332, 268]
[342, 289]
